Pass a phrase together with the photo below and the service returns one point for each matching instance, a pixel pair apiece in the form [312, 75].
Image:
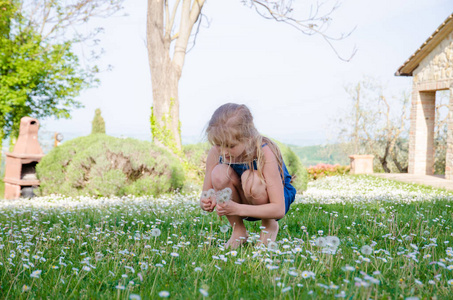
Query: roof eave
[414, 60]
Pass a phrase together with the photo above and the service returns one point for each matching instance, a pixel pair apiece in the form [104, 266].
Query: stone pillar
[449, 158]
[421, 135]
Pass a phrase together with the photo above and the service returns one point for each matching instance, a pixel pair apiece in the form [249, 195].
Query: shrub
[101, 165]
[321, 170]
[295, 168]
[196, 155]
[98, 124]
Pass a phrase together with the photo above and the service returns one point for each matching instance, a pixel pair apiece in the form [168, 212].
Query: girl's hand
[207, 201]
[208, 204]
[229, 208]
[213, 204]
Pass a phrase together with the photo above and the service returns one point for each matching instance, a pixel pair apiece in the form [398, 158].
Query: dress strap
[265, 144]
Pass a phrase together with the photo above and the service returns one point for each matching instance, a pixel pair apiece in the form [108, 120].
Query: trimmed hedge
[101, 165]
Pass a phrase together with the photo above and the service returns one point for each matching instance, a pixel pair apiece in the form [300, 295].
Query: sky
[293, 83]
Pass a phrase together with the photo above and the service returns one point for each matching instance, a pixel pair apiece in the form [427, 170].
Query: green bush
[98, 123]
[295, 168]
[101, 165]
[196, 155]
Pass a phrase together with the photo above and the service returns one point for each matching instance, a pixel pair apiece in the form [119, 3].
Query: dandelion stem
[75, 287]
[12, 284]
[154, 283]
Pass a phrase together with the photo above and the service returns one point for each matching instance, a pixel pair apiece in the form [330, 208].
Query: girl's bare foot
[236, 240]
[269, 233]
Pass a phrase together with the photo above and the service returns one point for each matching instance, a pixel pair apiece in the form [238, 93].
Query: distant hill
[328, 154]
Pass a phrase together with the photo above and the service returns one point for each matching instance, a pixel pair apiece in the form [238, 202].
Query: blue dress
[288, 189]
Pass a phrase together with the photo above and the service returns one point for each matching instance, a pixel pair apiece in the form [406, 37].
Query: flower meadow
[353, 237]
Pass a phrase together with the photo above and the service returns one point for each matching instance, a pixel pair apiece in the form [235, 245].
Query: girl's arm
[275, 209]
[211, 161]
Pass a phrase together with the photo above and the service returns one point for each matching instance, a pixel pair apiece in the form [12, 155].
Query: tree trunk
[165, 71]
[165, 126]
[357, 119]
[383, 159]
[398, 164]
[164, 80]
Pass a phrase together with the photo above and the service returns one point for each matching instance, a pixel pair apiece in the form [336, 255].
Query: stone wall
[434, 73]
[437, 65]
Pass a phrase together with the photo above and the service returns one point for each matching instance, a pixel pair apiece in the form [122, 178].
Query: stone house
[431, 67]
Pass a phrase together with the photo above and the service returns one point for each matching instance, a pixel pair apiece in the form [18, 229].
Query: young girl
[250, 167]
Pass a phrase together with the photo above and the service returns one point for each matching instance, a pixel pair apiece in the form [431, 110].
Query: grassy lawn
[395, 242]
[2, 188]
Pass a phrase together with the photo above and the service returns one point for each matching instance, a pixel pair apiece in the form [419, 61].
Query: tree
[376, 124]
[167, 48]
[98, 124]
[40, 76]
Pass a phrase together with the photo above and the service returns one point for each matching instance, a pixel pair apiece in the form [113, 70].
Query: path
[437, 181]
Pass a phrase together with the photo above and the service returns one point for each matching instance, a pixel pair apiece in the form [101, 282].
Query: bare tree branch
[195, 35]
[168, 26]
[172, 18]
[281, 11]
[54, 18]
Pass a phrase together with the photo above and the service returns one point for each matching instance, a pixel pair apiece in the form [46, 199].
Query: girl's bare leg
[223, 177]
[255, 193]
[269, 234]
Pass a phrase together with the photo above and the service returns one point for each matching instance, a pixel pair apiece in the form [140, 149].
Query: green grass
[408, 227]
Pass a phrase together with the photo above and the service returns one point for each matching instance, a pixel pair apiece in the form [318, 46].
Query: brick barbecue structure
[20, 166]
[431, 67]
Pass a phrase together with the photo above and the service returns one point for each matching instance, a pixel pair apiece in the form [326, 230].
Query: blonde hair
[233, 123]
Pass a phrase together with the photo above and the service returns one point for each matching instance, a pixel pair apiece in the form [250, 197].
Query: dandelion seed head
[333, 240]
[321, 242]
[224, 228]
[272, 246]
[366, 250]
[155, 232]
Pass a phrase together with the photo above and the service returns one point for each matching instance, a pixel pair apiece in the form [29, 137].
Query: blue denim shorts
[288, 189]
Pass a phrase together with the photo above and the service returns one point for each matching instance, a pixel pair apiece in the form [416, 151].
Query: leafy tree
[376, 124]
[40, 76]
[98, 124]
[170, 28]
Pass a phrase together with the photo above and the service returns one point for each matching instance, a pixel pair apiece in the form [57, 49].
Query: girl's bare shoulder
[269, 155]
[214, 151]
[213, 155]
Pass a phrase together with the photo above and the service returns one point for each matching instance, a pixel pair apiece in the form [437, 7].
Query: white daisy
[164, 294]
